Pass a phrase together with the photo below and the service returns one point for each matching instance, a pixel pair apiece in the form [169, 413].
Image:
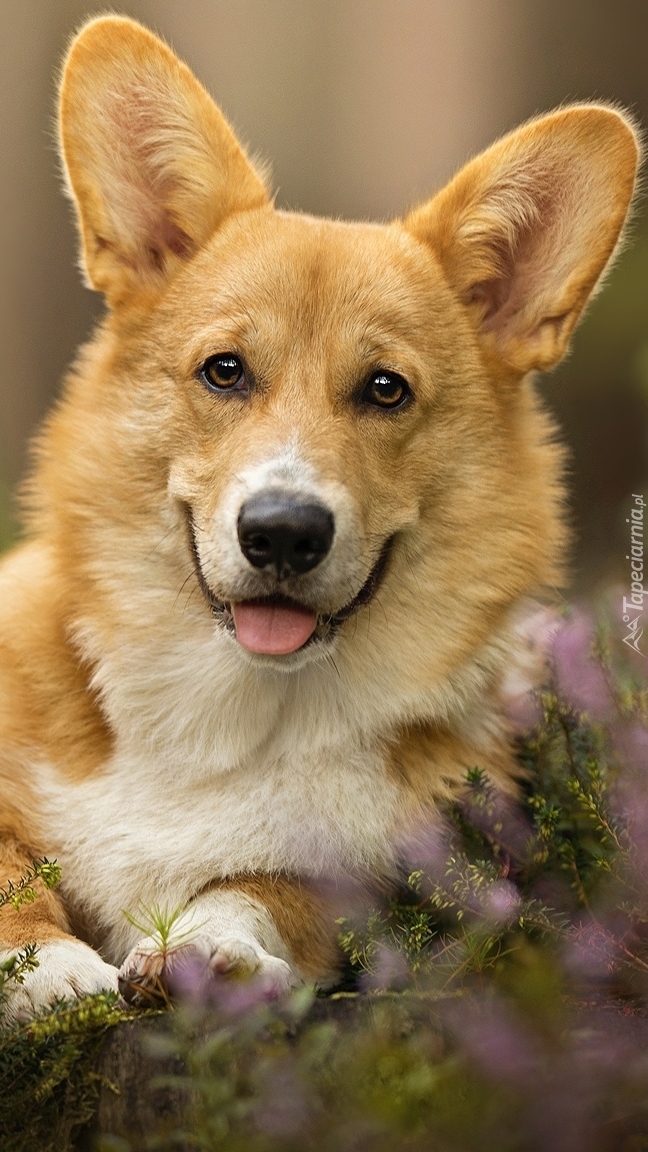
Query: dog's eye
[386, 390]
[224, 373]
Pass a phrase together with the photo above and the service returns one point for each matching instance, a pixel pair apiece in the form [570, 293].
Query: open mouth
[279, 625]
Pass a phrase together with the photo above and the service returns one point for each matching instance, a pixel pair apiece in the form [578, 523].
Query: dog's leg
[67, 968]
[278, 929]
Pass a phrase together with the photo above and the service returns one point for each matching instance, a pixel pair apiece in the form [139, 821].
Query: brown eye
[224, 373]
[386, 390]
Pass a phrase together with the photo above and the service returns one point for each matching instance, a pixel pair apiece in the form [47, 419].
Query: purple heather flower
[489, 1032]
[502, 902]
[390, 970]
[579, 676]
[591, 951]
[528, 669]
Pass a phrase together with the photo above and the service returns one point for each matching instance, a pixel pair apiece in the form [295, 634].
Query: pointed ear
[152, 164]
[525, 231]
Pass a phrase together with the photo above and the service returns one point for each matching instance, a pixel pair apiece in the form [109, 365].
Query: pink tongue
[273, 629]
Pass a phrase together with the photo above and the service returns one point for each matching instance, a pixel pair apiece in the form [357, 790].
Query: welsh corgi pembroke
[280, 528]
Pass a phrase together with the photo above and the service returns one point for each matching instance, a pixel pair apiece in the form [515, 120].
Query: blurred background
[363, 107]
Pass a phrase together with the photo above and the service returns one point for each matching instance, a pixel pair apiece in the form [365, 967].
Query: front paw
[149, 974]
[67, 969]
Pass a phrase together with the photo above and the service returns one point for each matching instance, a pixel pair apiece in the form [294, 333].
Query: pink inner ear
[521, 262]
[491, 295]
[143, 180]
[160, 237]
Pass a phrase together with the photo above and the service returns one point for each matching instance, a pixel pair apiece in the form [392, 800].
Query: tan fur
[117, 686]
[303, 918]
[45, 701]
[428, 758]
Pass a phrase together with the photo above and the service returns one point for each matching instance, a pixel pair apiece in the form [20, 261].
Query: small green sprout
[160, 924]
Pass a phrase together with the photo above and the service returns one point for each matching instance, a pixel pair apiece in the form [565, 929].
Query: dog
[280, 528]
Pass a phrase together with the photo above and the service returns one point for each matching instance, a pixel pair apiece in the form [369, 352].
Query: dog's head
[313, 415]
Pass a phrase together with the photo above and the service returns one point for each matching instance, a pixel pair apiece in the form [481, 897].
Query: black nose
[292, 536]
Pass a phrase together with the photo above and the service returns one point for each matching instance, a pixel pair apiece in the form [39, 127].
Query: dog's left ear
[525, 231]
[153, 166]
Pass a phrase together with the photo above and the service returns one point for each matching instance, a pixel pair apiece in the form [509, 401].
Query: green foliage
[470, 914]
[284, 1080]
[46, 1090]
[16, 967]
[570, 769]
[161, 925]
[48, 1085]
[25, 890]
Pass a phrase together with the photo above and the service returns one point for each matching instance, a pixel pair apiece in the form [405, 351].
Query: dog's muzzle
[287, 539]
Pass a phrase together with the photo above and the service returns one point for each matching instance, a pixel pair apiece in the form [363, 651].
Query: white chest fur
[137, 834]
[219, 770]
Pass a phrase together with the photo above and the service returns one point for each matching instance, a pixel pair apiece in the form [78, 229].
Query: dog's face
[313, 376]
[332, 412]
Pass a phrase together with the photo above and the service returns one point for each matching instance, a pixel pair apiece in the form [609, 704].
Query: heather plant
[566, 870]
[14, 967]
[496, 1002]
[48, 1079]
[45, 1090]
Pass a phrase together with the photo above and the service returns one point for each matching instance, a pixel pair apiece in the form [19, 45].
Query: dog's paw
[233, 957]
[149, 974]
[67, 969]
